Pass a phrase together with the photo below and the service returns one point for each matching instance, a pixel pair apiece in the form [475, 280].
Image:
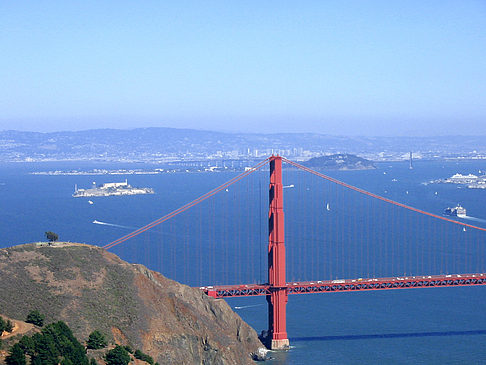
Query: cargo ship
[457, 211]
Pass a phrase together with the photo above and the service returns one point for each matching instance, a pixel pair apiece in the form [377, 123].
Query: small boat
[457, 211]
[328, 208]
[90, 202]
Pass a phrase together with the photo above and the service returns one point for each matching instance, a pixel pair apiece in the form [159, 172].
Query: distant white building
[115, 185]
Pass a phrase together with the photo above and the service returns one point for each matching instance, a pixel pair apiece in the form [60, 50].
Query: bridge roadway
[348, 285]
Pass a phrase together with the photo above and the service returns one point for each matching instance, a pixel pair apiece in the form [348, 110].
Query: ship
[110, 189]
[457, 211]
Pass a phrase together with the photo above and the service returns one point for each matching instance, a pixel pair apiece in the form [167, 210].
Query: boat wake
[112, 225]
[249, 306]
[474, 219]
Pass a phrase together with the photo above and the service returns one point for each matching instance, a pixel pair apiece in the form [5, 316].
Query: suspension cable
[359, 190]
[187, 206]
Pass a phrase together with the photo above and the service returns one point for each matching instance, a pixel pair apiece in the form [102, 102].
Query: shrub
[35, 318]
[55, 345]
[144, 357]
[9, 326]
[96, 341]
[118, 356]
[57, 340]
[16, 356]
[5, 325]
[27, 344]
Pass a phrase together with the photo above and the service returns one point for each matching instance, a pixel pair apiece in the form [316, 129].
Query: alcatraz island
[110, 189]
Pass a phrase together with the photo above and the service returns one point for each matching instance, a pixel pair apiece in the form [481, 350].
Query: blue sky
[335, 67]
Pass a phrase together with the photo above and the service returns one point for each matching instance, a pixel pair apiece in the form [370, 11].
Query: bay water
[433, 326]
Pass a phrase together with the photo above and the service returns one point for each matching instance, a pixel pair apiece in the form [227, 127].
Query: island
[340, 161]
[110, 189]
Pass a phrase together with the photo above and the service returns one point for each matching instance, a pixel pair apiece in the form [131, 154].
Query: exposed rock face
[90, 288]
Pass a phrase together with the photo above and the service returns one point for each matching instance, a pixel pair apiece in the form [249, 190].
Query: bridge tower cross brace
[277, 300]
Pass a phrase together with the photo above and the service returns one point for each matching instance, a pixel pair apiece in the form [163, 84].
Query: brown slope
[90, 288]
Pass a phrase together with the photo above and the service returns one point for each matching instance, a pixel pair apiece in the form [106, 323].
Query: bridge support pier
[277, 303]
[277, 300]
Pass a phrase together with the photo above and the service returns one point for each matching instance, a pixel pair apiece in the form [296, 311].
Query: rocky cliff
[90, 288]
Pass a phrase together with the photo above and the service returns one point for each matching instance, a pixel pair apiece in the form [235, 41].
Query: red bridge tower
[277, 300]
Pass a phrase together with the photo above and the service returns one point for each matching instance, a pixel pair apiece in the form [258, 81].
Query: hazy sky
[337, 67]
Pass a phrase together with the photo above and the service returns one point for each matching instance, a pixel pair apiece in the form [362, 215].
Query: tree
[67, 345]
[51, 236]
[16, 356]
[96, 340]
[117, 356]
[46, 352]
[9, 326]
[144, 357]
[36, 318]
[56, 343]
[93, 362]
[27, 344]
[5, 325]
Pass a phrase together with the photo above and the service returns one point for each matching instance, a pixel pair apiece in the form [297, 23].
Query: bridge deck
[345, 285]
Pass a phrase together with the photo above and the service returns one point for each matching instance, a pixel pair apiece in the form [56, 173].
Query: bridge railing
[349, 285]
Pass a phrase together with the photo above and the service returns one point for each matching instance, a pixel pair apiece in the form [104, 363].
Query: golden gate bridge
[445, 257]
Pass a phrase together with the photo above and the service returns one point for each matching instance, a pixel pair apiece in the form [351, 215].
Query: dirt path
[19, 328]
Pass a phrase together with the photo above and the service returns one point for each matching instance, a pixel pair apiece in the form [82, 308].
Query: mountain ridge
[156, 144]
[92, 289]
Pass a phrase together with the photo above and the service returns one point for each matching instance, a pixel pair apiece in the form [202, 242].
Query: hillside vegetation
[340, 161]
[91, 289]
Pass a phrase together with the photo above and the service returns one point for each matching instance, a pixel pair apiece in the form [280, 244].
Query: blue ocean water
[434, 326]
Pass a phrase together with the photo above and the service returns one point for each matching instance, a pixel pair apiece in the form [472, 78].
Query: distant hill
[92, 289]
[339, 162]
[168, 144]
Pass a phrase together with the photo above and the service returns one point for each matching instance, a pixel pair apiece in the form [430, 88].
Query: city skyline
[351, 68]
